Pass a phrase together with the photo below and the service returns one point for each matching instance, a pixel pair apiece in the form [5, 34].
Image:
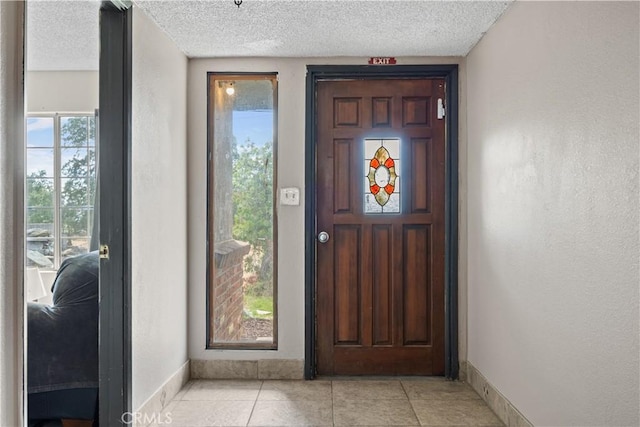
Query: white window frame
[57, 178]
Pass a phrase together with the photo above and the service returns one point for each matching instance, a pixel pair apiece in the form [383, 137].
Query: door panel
[380, 276]
[381, 284]
[420, 159]
[342, 160]
[416, 285]
[347, 284]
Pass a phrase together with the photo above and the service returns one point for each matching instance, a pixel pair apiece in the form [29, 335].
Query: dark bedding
[62, 347]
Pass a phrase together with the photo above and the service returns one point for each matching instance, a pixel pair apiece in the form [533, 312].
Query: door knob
[323, 237]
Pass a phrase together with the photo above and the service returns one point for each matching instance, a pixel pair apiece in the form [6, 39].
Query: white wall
[291, 157]
[62, 91]
[159, 208]
[553, 210]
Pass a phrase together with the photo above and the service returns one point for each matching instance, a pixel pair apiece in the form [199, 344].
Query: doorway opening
[61, 271]
[78, 345]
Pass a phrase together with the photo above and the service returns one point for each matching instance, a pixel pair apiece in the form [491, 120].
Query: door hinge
[441, 109]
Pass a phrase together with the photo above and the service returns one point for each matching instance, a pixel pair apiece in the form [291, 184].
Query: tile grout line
[404, 389]
[255, 402]
[410, 404]
[333, 411]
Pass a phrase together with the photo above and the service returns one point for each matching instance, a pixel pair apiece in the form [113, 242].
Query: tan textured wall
[290, 173]
[553, 211]
[158, 208]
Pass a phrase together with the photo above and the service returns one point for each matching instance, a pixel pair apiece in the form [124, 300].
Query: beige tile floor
[336, 402]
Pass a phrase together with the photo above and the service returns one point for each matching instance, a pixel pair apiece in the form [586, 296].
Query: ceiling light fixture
[237, 3]
[230, 89]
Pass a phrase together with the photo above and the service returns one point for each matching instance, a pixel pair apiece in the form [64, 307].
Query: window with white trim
[60, 187]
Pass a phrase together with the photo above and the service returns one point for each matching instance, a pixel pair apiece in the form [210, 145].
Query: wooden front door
[380, 200]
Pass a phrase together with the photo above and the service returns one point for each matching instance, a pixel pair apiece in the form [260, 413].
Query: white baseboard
[149, 412]
[499, 404]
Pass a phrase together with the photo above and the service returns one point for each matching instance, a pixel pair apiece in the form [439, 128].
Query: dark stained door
[380, 198]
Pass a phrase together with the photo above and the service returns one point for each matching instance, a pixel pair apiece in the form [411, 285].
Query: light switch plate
[290, 196]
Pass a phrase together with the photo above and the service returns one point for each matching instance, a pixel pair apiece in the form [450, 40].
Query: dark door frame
[115, 213]
[360, 72]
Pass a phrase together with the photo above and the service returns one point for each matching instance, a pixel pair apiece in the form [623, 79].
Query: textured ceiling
[217, 28]
[63, 35]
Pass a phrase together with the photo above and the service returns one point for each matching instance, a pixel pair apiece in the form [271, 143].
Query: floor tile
[185, 388]
[163, 417]
[373, 412]
[368, 390]
[223, 390]
[454, 412]
[166, 414]
[295, 390]
[438, 389]
[209, 413]
[292, 413]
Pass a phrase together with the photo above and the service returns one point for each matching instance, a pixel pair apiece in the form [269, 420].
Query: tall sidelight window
[242, 117]
[60, 187]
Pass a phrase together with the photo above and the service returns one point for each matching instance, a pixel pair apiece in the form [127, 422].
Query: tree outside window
[242, 271]
[60, 188]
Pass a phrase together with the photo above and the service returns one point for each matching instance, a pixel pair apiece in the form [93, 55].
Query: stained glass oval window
[382, 166]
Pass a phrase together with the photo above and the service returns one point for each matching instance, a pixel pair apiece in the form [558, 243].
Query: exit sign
[380, 60]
